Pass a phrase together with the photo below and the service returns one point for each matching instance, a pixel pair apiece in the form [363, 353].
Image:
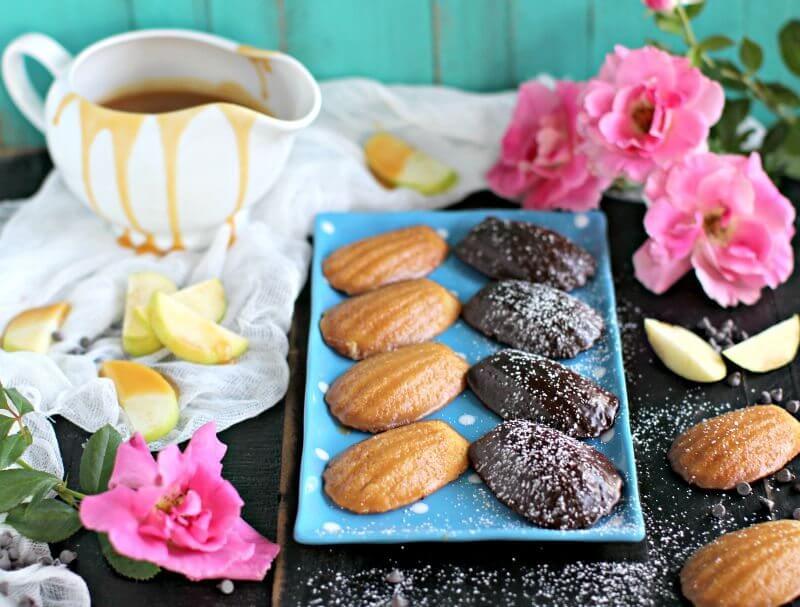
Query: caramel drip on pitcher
[65, 101]
[260, 58]
[171, 127]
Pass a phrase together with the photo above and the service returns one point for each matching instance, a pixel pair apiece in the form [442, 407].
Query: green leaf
[789, 41]
[751, 55]
[781, 94]
[726, 137]
[45, 521]
[18, 485]
[3, 399]
[774, 137]
[98, 459]
[726, 73]
[715, 43]
[12, 448]
[694, 9]
[6, 423]
[669, 23]
[136, 570]
[21, 404]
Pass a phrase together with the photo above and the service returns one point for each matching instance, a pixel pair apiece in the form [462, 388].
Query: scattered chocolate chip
[5, 562]
[734, 379]
[705, 324]
[45, 560]
[768, 503]
[784, 475]
[796, 514]
[398, 600]
[715, 345]
[5, 539]
[743, 335]
[765, 398]
[85, 342]
[57, 336]
[793, 406]
[777, 395]
[743, 488]
[727, 342]
[225, 587]
[13, 553]
[3, 588]
[67, 556]
[395, 577]
[76, 351]
[27, 601]
[718, 510]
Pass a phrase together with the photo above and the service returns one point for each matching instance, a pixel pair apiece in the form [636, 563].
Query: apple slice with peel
[396, 163]
[207, 298]
[683, 352]
[190, 336]
[32, 330]
[768, 350]
[138, 338]
[147, 398]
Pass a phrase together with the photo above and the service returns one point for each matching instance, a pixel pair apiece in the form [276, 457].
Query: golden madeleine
[758, 565]
[396, 468]
[397, 315]
[396, 388]
[739, 446]
[387, 258]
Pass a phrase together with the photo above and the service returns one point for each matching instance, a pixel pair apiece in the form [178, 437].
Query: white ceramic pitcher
[164, 181]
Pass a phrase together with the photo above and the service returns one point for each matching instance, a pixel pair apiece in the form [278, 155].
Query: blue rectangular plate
[464, 510]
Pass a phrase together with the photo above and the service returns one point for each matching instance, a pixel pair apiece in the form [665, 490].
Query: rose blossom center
[642, 116]
[715, 228]
[170, 501]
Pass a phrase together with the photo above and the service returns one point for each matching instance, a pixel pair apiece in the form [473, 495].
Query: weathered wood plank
[391, 41]
[254, 22]
[175, 13]
[472, 44]
[552, 37]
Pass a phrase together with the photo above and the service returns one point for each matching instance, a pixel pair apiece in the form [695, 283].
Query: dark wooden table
[263, 459]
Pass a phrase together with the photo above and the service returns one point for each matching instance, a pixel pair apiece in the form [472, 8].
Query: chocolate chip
[715, 345]
[5, 562]
[784, 475]
[57, 336]
[743, 335]
[85, 342]
[67, 556]
[13, 553]
[225, 587]
[45, 560]
[743, 488]
[705, 324]
[395, 577]
[734, 379]
[718, 510]
[27, 601]
[76, 351]
[793, 406]
[3, 588]
[5, 539]
[765, 398]
[777, 395]
[398, 600]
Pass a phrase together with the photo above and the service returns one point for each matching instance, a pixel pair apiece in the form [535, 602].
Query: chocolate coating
[517, 249]
[520, 385]
[534, 317]
[549, 478]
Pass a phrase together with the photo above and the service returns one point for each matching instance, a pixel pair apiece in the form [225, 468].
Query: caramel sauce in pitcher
[174, 102]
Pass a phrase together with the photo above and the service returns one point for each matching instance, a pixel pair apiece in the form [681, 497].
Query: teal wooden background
[480, 45]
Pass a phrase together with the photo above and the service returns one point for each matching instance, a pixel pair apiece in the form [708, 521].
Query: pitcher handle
[44, 50]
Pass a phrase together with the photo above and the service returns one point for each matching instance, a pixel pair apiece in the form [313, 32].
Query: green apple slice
[149, 401]
[772, 348]
[138, 338]
[683, 352]
[207, 298]
[32, 330]
[191, 337]
[396, 163]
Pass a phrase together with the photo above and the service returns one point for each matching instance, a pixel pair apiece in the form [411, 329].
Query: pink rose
[723, 216]
[647, 109]
[178, 512]
[661, 6]
[540, 160]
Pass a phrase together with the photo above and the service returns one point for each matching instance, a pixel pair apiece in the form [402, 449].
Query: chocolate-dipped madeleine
[520, 385]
